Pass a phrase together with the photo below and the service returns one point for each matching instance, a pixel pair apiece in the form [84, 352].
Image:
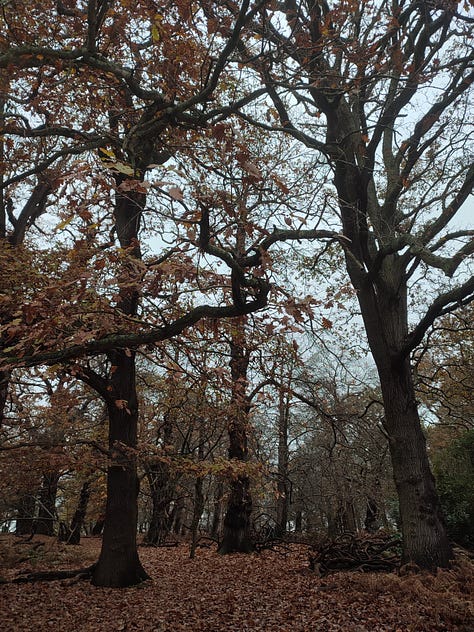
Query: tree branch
[443, 304]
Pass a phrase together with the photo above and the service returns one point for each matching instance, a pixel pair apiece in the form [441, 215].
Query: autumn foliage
[236, 299]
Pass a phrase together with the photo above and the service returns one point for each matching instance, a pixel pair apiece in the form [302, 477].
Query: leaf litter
[270, 591]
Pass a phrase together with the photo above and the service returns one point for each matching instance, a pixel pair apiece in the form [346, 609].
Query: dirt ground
[272, 591]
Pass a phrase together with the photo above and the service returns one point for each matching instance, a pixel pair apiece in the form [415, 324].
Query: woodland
[236, 313]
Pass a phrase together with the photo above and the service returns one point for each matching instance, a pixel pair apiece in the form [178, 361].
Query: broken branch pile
[363, 551]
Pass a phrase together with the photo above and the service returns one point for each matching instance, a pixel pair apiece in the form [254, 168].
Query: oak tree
[380, 91]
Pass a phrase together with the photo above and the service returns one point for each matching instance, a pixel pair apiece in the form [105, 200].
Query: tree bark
[283, 498]
[382, 295]
[198, 508]
[74, 536]
[162, 490]
[198, 505]
[4, 382]
[347, 517]
[25, 515]
[299, 521]
[385, 313]
[98, 527]
[425, 539]
[119, 564]
[236, 535]
[178, 514]
[47, 504]
[216, 515]
[371, 516]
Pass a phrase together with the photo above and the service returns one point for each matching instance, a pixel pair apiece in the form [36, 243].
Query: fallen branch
[363, 551]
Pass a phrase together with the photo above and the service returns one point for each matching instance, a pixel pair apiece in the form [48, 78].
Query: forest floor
[270, 591]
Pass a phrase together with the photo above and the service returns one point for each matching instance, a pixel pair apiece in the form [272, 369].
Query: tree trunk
[98, 527]
[25, 516]
[118, 564]
[299, 521]
[347, 517]
[385, 313]
[371, 516]
[47, 504]
[216, 516]
[425, 540]
[74, 536]
[162, 489]
[4, 381]
[198, 506]
[381, 285]
[197, 513]
[177, 515]
[283, 497]
[236, 535]
[159, 526]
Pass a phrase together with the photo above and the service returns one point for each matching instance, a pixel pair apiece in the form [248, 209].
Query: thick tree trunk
[236, 535]
[381, 285]
[118, 564]
[347, 516]
[159, 526]
[47, 504]
[425, 540]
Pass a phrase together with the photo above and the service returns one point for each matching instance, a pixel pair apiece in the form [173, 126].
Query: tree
[379, 91]
[138, 121]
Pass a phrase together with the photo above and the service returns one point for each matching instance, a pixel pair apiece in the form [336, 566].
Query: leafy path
[269, 592]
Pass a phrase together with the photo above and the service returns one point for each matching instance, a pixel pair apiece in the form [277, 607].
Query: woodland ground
[270, 591]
